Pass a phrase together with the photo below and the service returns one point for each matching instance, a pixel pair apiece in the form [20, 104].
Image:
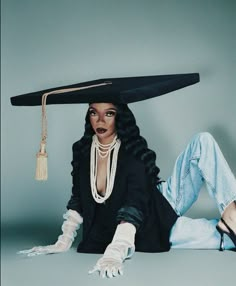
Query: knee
[205, 136]
[204, 139]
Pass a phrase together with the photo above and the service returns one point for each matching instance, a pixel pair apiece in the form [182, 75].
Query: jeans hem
[224, 206]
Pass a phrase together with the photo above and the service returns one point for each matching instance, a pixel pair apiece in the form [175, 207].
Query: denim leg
[188, 233]
[202, 161]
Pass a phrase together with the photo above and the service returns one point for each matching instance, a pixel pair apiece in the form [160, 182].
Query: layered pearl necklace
[103, 150]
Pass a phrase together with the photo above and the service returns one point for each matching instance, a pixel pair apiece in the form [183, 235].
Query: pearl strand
[115, 144]
[104, 149]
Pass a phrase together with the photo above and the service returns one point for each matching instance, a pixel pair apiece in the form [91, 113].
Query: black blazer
[132, 200]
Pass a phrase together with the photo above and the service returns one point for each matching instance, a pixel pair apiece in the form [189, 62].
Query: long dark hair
[129, 134]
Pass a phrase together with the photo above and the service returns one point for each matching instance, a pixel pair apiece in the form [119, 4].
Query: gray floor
[177, 267]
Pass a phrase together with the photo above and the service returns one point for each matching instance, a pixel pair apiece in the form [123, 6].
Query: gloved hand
[70, 226]
[121, 248]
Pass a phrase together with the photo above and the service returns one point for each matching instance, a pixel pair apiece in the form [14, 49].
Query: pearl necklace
[103, 150]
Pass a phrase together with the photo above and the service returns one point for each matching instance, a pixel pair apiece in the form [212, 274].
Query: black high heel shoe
[230, 234]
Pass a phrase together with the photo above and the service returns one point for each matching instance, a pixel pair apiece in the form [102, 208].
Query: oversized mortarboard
[110, 90]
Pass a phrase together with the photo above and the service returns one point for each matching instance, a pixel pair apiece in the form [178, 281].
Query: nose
[100, 119]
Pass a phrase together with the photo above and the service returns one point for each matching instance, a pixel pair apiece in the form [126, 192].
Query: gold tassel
[42, 163]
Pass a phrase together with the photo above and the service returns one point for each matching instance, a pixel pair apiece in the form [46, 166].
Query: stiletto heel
[230, 234]
[222, 246]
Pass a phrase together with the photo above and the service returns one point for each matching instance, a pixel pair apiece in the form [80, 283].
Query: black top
[100, 233]
[132, 200]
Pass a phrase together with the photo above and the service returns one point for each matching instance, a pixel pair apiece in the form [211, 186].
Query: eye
[92, 112]
[110, 113]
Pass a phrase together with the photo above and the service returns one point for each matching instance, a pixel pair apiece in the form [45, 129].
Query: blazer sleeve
[135, 207]
[74, 202]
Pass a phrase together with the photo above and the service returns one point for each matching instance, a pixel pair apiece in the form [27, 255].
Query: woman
[125, 206]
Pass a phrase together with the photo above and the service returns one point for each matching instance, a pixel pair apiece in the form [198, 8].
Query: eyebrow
[108, 109]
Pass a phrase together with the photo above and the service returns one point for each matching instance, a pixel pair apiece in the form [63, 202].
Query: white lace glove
[70, 226]
[121, 248]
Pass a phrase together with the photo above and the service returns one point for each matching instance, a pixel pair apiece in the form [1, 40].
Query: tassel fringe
[42, 164]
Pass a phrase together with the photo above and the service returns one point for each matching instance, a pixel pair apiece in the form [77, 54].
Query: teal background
[49, 43]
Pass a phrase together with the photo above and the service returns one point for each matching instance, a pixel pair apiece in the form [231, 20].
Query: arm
[135, 207]
[121, 248]
[130, 217]
[75, 202]
[69, 227]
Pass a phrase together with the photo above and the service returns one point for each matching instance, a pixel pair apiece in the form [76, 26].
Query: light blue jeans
[202, 161]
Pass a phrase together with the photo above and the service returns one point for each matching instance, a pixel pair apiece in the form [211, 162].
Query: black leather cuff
[131, 215]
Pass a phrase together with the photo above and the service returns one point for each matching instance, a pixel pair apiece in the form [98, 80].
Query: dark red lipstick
[101, 130]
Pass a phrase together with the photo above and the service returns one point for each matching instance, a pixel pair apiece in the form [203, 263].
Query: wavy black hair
[129, 134]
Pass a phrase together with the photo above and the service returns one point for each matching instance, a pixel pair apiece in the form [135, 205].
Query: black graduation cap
[110, 90]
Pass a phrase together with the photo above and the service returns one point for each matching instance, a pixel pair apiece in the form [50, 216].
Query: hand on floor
[108, 267]
[49, 249]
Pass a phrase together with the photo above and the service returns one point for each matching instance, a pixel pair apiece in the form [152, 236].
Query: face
[102, 118]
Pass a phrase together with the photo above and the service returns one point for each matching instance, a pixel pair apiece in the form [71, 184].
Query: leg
[202, 161]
